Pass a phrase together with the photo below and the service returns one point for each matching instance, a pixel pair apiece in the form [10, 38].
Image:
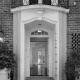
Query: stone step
[39, 78]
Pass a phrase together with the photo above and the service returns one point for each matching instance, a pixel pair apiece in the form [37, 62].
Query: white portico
[41, 25]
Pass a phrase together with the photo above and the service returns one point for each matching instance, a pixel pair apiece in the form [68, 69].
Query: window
[39, 32]
[76, 42]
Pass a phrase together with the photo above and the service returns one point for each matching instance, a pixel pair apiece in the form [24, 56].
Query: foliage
[73, 60]
[6, 57]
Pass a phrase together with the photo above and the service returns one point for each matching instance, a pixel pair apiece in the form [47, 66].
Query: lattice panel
[76, 42]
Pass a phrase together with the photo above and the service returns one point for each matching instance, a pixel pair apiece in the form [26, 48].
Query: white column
[22, 77]
[25, 2]
[28, 56]
[50, 58]
[57, 50]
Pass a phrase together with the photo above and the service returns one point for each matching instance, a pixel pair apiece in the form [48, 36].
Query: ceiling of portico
[40, 24]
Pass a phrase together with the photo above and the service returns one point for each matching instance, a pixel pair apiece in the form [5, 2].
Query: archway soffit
[34, 19]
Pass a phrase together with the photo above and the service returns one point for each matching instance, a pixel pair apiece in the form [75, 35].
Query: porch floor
[39, 78]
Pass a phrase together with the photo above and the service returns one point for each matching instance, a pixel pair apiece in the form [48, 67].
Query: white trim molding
[55, 8]
[40, 14]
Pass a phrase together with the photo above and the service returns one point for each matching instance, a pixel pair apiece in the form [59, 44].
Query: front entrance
[40, 21]
[39, 56]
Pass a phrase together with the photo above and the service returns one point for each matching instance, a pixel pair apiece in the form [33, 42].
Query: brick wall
[6, 21]
[73, 24]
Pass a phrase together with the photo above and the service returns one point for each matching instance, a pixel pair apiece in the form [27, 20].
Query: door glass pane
[39, 63]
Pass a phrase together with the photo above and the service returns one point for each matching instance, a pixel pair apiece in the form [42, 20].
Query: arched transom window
[39, 32]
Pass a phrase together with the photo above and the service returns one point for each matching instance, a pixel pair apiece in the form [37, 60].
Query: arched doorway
[39, 50]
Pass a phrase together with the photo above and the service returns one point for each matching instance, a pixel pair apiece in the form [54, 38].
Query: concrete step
[39, 78]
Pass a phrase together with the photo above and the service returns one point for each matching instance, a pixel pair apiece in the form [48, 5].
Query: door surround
[49, 36]
[52, 14]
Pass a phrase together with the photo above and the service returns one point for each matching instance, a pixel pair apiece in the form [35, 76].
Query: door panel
[38, 59]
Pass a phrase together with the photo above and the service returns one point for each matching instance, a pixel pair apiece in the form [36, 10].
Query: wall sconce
[74, 3]
[1, 36]
[1, 39]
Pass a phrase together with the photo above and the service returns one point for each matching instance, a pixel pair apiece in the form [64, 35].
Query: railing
[53, 2]
[60, 3]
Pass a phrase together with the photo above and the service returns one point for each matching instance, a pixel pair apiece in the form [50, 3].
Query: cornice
[55, 8]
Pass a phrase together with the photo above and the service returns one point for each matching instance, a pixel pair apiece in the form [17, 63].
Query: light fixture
[1, 39]
[74, 3]
[1, 36]
[39, 31]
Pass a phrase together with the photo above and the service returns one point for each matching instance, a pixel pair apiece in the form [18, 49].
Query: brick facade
[6, 20]
[73, 24]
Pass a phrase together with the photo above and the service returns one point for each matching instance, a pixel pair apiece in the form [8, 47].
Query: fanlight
[39, 32]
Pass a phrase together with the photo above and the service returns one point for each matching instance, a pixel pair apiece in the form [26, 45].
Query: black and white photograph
[39, 39]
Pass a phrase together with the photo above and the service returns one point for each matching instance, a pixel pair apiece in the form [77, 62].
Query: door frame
[47, 53]
[50, 46]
